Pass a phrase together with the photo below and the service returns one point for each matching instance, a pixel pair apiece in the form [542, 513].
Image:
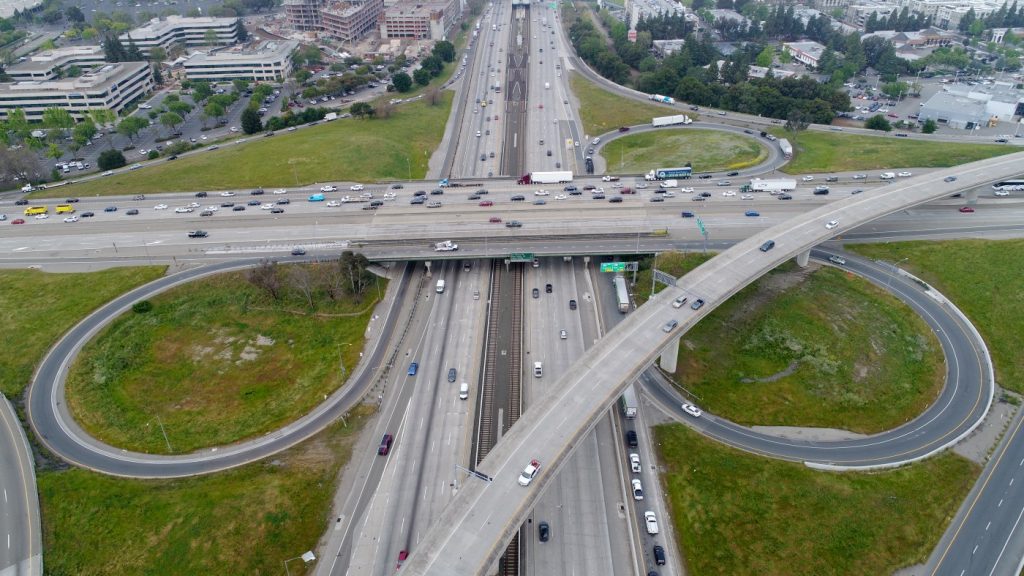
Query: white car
[669, 194]
[859, 176]
[692, 410]
[366, 195]
[107, 173]
[333, 204]
[160, 207]
[832, 224]
[234, 128]
[203, 137]
[529, 473]
[213, 208]
[355, 187]
[541, 193]
[686, 190]
[634, 463]
[70, 219]
[280, 191]
[42, 216]
[678, 302]
[143, 152]
[904, 174]
[193, 204]
[227, 194]
[728, 193]
[747, 197]
[183, 210]
[145, 106]
[1001, 193]
[617, 185]
[560, 196]
[390, 195]
[638, 489]
[328, 188]
[807, 178]
[267, 207]
[651, 521]
[641, 185]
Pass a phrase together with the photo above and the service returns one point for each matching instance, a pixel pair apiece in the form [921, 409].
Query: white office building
[50, 64]
[268, 62]
[110, 87]
[966, 107]
[164, 32]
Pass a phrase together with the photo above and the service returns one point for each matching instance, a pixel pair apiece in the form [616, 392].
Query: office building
[268, 62]
[427, 21]
[51, 64]
[351, 20]
[966, 107]
[808, 53]
[165, 32]
[111, 87]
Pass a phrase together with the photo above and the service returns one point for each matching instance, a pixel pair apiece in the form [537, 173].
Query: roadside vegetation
[812, 347]
[37, 308]
[602, 111]
[831, 152]
[982, 277]
[705, 150]
[224, 358]
[248, 520]
[736, 513]
[347, 150]
[675, 263]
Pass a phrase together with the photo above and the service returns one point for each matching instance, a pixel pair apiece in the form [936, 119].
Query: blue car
[412, 368]
[316, 198]
[752, 213]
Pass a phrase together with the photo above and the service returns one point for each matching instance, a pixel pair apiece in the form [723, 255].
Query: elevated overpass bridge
[471, 533]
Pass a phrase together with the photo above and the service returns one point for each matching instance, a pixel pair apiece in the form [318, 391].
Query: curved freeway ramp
[53, 423]
[471, 533]
[959, 407]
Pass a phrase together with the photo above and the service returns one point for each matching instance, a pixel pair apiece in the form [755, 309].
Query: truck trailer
[773, 186]
[670, 120]
[446, 246]
[786, 147]
[668, 173]
[628, 402]
[662, 99]
[563, 177]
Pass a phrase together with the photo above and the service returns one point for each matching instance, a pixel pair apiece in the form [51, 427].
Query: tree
[765, 57]
[74, 14]
[20, 164]
[797, 120]
[444, 50]
[929, 126]
[82, 134]
[132, 52]
[212, 110]
[131, 126]
[361, 110]
[210, 37]
[201, 91]
[110, 159]
[402, 82]
[243, 34]
[422, 76]
[878, 122]
[113, 49]
[158, 76]
[180, 108]
[251, 123]
[265, 277]
[59, 120]
[240, 85]
[433, 96]
[157, 54]
[171, 120]
[895, 89]
[433, 64]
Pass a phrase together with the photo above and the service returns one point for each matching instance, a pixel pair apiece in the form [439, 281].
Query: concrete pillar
[429, 274]
[802, 258]
[971, 196]
[669, 356]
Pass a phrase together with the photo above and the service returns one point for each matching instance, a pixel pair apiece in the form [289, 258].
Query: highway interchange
[416, 498]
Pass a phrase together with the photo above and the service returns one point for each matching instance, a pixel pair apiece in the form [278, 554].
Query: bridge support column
[802, 259]
[428, 268]
[669, 356]
[971, 196]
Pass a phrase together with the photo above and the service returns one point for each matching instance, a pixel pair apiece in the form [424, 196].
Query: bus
[65, 209]
[628, 403]
[621, 294]
[1009, 185]
[33, 210]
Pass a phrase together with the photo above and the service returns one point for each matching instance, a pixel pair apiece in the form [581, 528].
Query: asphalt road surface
[21, 549]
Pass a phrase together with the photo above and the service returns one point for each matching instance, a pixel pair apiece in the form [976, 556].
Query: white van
[464, 391]
[887, 175]
[440, 286]
[538, 369]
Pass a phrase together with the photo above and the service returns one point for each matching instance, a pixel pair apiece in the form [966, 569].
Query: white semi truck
[446, 246]
[670, 120]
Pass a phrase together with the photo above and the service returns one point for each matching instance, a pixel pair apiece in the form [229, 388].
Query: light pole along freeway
[470, 534]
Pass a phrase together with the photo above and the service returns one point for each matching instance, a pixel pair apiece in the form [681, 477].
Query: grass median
[735, 513]
[248, 520]
[812, 347]
[706, 150]
[216, 361]
[356, 150]
[603, 111]
[37, 308]
[983, 278]
[831, 152]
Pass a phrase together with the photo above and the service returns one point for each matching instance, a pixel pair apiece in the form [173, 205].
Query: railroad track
[486, 424]
[515, 376]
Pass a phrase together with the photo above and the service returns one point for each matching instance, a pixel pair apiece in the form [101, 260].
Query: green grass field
[214, 362]
[675, 263]
[37, 308]
[244, 521]
[602, 111]
[706, 150]
[821, 348]
[983, 279]
[396, 148]
[832, 152]
[736, 514]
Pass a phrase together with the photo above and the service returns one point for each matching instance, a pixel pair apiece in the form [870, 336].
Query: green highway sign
[613, 267]
[700, 224]
[521, 257]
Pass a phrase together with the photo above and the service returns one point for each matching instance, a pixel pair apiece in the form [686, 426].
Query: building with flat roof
[50, 64]
[429, 20]
[111, 87]
[965, 106]
[7, 7]
[303, 15]
[268, 62]
[350, 20]
[163, 32]
[809, 53]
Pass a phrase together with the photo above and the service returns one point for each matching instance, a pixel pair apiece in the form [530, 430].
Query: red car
[401, 558]
[486, 203]
[18, 221]
[966, 209]
[495, 220]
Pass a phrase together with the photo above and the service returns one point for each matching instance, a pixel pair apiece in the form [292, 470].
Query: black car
[575, 193]
[257, 192]
[418, 200]
[482, 191]
[238, 208]
[572, 304]
[197, 234]
[474, 197]
[21, 202]
[569, 189]
[543, 531]
[200, 194]
[659, 555]
[615, 199]
[253, 202]
[518, 198]
[705, 194]
[227, 204]
[284, 201]
[451, 374]
[110, 209]
[71, 200]
[436, 192]
[397, 186]
[420, 193]
[536, 293]
[172, 157]
[733, 173]
[706, 176]
[767, 245]
[206, 213]
[86, 215]
[785, 197]
[598, 196]
[631, 439]
[686, 214]
[132, 212]
[298, 251]
[277, 210]
[657, 198]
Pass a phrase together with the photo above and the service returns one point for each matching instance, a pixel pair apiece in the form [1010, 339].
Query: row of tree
[345, 278]
[900, 21]
[1011, 16]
